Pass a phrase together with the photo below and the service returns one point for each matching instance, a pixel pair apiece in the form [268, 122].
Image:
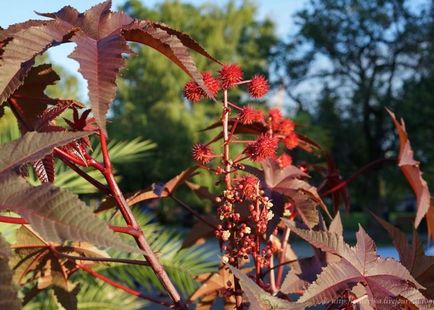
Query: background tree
[150, 101]
[357, 54]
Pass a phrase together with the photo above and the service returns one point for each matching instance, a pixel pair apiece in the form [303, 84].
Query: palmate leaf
[385, 279]
[28, 40]
[410, 168]
[412, 256]
[99, 51]
[30, 98]
[260, 299]
[289, 183]
[33, 146]
[57, 215]
[8, 294]
[305, 270]
[102, 39]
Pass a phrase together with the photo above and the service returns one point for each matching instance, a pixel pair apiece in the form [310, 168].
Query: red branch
[21, 221]
[131, 222]
[362, 170]
[122, 287]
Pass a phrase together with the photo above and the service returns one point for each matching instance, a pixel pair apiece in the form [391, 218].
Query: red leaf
[44, 169]
[30, 99]
[410, 168]
[99, 51]
[412, 256]
[28, 42]
[383, 278]
[163, 40]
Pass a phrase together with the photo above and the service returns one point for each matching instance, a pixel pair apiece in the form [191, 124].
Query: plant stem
[284, 245]
[62, 154]
[225, 123]
[131, 221]
[358, 173]
[228, 181]
[122, 287]
[272, 278]
[21, 221]
[103, 188]
[95, 259]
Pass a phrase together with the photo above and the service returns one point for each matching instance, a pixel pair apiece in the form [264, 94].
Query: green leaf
[8, 293]
[33, 146]
[57, 215]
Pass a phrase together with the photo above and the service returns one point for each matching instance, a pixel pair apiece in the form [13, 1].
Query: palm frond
[126, 151]
[182, 265]
[93, 295]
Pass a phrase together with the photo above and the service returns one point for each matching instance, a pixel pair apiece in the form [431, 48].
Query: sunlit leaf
[57, 215]
[8, 293]
[410, 168]
[33, 146]
[18, 55]
[383, 278]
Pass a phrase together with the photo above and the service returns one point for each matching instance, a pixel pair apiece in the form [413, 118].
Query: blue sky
[20, 10]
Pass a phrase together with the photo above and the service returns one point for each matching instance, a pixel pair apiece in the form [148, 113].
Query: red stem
[284, 244]
[21, 221]
[225, 124]
[362, 170]
[103, 188]
[13, 220]
[94, 259]
[122, 287]
[62, 154]
[131, 221]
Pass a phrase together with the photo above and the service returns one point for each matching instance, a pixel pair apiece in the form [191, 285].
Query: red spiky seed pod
[284, 160]
[202, 153]
[264, 147]
[211, 83]
[229, 75]
[276, 118]
[249, 115]
[291, 141]
[193, 92]
[258, 86]
[286, 127]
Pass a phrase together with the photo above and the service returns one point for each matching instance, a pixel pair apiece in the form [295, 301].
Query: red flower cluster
[258, 86]
[195, 93]
[202, 153]
[249, 115]
[264, 147]
[230, 75]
